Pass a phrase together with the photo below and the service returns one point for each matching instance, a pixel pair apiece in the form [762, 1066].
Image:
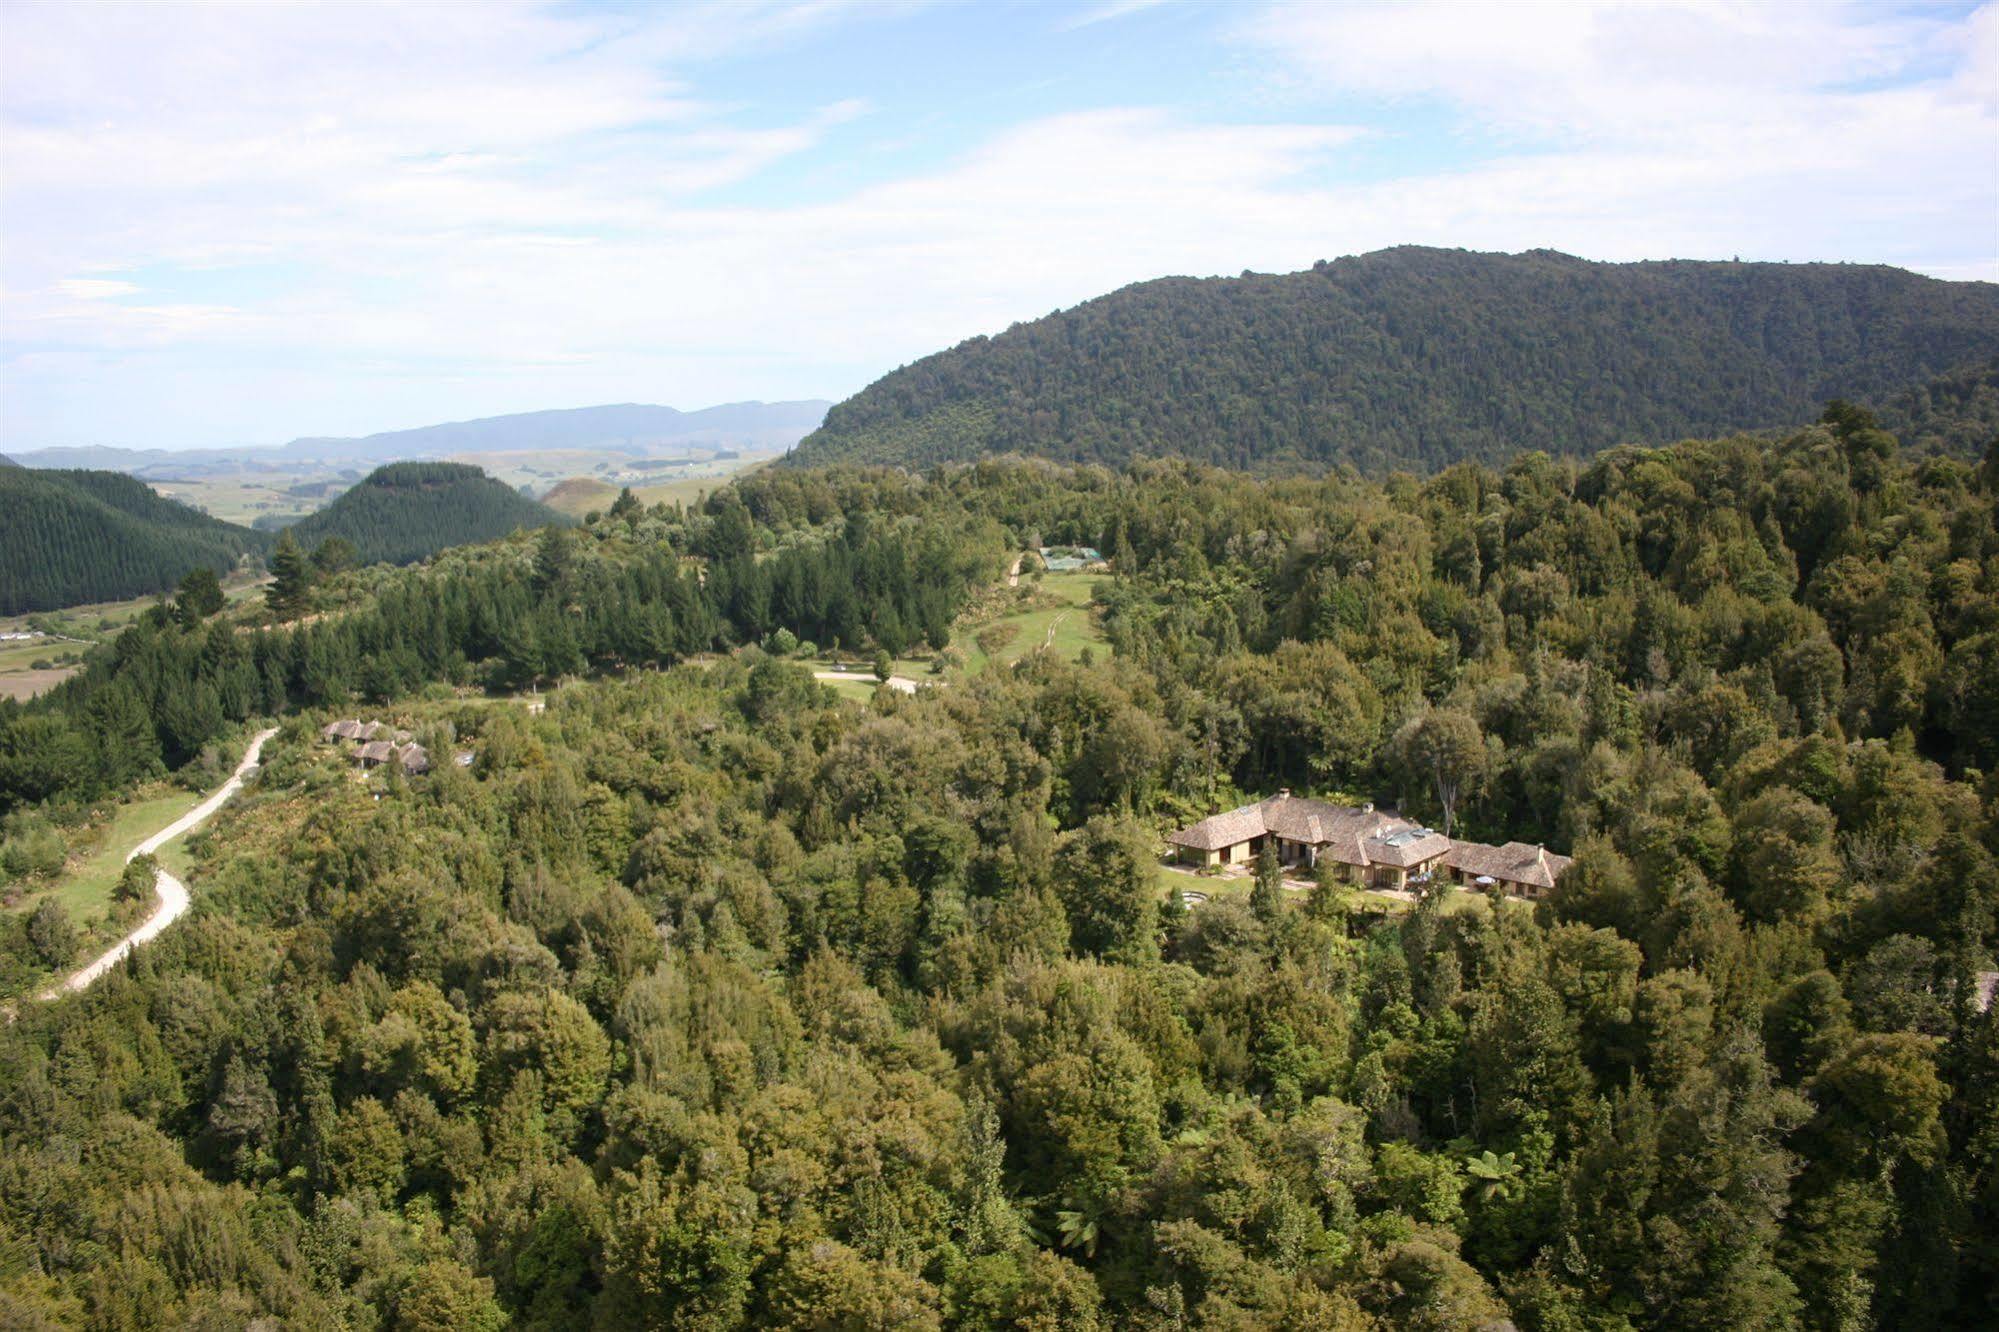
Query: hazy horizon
[417, 428]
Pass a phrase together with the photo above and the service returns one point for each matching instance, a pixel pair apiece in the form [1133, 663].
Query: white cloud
[1802, 131]
[95, 289]
[1612, 69]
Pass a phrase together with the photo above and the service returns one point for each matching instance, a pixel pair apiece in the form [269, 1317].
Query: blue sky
[233, 225]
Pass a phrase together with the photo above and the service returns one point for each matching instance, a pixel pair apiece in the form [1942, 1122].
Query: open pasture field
[245, 497]
[580, 491]
[72, 631]
[26, 682]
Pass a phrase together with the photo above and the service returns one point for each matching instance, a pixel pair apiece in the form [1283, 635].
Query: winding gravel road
[174, 900]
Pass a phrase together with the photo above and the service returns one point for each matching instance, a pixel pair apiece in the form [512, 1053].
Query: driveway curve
[174, 900]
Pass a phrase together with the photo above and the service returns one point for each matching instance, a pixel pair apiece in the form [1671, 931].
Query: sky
[229, 225]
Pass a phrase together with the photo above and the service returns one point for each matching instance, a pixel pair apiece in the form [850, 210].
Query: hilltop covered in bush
[1419, 358]
[404, 512]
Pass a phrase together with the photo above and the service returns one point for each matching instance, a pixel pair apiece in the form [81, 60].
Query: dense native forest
[69, 537]
[706, 998]
[403, 512]
[1420, 358]
[1955, 413]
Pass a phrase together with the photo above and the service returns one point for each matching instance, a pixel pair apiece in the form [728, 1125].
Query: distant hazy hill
[68, 537]
[5, 461]
[1418, 357]
[406, 511]
[628, 428]
[579, 495]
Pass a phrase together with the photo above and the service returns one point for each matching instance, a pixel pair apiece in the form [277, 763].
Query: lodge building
[1379, 849]
[377, 743]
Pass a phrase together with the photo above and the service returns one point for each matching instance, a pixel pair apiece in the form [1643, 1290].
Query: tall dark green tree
[291, 579]
[1267, 899]
[198, 596]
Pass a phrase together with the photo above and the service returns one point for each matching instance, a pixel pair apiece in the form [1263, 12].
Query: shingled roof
[1353, 836]
[1407, 847]
[1516, 862]
[1222, 830]
[1368, 836]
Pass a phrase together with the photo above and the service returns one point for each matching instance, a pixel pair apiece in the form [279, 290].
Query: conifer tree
[198, 596]
[1268, 898]
[291, 579]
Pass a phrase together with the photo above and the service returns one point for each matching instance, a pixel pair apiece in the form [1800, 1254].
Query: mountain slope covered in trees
[704, 999]
[1418, 358]
[406, 511]
[1955, 413]
[68, 537]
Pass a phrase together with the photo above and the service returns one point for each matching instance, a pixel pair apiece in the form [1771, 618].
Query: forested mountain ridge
[403, 512]
[1418, 358]
[705, 999]
[69, 537]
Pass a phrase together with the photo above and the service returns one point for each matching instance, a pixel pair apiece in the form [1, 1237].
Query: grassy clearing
[861, 690]
[21, 678]
[19, 656]
[1057, 618]
[26, 684]
[178, 857]
[85, 887]
[1173, 881]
